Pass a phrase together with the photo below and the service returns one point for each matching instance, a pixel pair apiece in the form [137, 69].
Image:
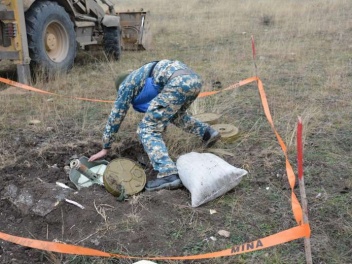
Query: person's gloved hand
[99, 155]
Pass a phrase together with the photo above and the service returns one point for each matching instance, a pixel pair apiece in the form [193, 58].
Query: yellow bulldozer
[46, 34]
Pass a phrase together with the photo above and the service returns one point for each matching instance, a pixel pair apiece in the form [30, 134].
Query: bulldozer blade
[135, 31]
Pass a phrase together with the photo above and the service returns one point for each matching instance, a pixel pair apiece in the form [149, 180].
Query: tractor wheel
[111, 42]
[51, 37]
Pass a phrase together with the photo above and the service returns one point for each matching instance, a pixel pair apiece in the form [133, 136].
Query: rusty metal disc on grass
[228, 132]
[209, 118]
[124, 177]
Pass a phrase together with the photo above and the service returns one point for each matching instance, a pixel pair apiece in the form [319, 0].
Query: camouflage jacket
[130, 88]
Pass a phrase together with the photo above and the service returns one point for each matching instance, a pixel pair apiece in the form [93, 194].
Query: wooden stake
[302, 188]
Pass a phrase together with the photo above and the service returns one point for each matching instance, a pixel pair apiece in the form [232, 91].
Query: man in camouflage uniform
[163, 91]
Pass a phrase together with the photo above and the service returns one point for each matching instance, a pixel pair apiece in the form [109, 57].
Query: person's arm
[131, 86]
[101, 154]
[127, 90]
[117, 114]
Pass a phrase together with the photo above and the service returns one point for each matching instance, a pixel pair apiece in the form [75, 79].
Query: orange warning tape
[296, 206]
[30, 88]
[269, 241]
[302, 230]
[233, 86]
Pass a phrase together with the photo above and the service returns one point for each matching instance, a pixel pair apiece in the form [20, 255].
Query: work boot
[168, 182]
[210, 137]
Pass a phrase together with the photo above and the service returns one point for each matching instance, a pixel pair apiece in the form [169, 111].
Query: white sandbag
[207, 176]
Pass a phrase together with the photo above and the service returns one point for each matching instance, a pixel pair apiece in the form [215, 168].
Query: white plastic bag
[207, 176]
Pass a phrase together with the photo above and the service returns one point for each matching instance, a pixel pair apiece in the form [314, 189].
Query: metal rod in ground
[302, 189]
[254, 57]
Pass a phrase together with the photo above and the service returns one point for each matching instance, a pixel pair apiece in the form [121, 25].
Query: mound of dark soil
[32, 205]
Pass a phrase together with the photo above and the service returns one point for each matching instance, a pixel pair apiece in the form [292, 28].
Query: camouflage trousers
[169, 107]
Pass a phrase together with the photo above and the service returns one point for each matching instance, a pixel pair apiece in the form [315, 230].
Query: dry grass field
[304, 58]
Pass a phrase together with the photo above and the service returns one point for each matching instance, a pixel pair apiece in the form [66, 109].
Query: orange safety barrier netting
[300, 231]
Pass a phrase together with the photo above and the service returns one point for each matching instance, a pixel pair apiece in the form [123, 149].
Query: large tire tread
[111, 42]
[37, 17]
